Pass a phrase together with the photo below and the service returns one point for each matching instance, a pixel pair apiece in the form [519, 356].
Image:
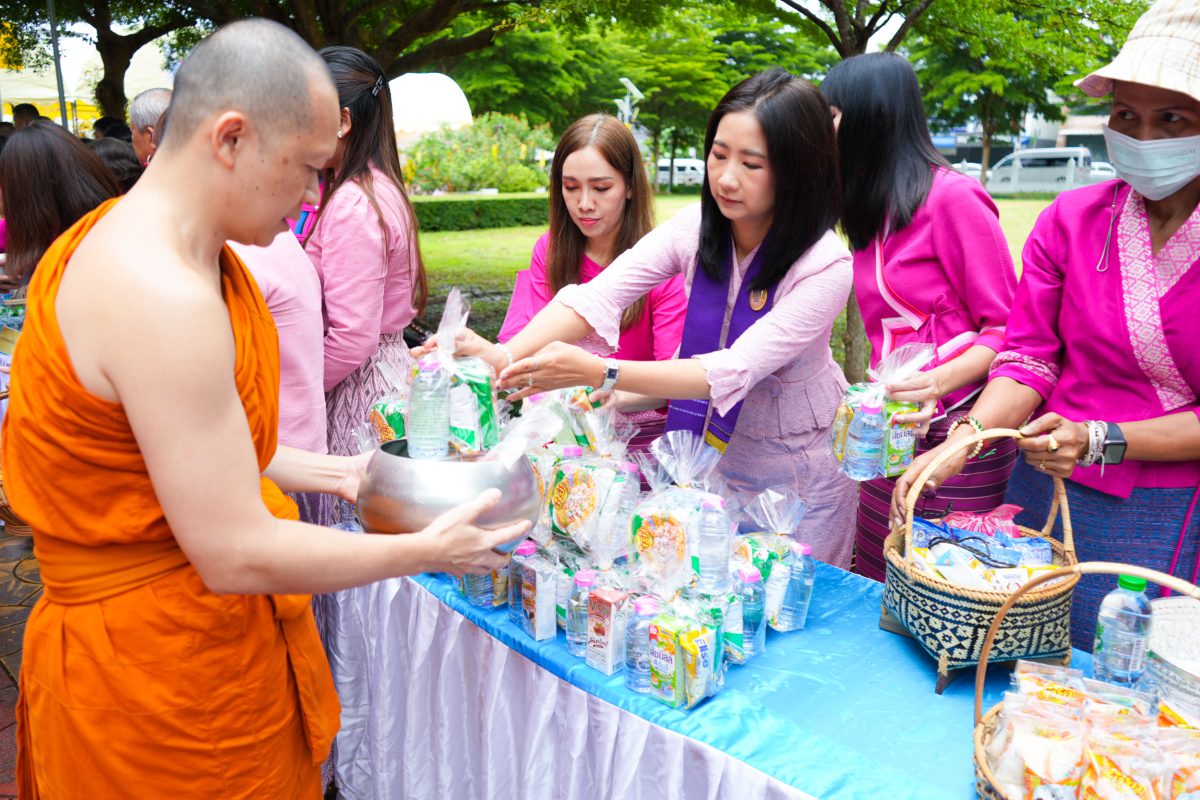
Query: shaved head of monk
[255, 116]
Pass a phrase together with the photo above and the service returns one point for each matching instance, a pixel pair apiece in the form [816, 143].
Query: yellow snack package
[1049, 683]
[1123, 761]
[1181, 752]
[1177, 711]
[1039, 752]
[698, 644]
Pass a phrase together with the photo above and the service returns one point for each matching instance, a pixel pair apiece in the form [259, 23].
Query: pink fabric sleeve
[530, 293]
[668, 308]
[348, 251]
[806, 313]
[971, 248]
[1032, 345]
[661, 254]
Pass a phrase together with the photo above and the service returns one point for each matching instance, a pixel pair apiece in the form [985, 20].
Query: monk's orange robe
[136, 681]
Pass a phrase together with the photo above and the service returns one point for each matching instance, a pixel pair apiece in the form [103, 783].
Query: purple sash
[702, 334]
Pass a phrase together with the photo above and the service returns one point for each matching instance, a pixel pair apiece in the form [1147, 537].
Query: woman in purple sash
[1101, 345]
[931, 265]
[765, 277]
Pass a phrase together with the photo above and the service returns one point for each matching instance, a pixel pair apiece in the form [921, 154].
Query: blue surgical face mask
[1156, 168]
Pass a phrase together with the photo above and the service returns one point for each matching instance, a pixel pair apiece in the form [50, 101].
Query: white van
[688, 171]
[1042, 169]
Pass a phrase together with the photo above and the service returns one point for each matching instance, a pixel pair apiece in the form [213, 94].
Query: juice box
[699, 647]
[900, 441]
[606, 630]
[666, 660]
[537, 599]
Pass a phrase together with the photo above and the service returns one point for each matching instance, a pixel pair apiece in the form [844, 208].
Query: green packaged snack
[667, 679]
[387, 419]
[900, 441]
[474, 424]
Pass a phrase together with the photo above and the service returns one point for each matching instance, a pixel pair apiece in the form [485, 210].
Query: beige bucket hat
[1162, 50]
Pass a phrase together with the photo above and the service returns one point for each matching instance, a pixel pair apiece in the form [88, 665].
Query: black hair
[119, 157]
[887, 155]
[104, 124]
[802, 153]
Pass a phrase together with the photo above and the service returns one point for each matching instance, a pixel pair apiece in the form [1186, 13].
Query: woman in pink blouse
[600, 206]
[765, 276]
[931, 265]
[1101, 345]
[364, 246]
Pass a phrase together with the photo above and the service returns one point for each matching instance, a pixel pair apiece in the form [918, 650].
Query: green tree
[849, 25]
[498, 151]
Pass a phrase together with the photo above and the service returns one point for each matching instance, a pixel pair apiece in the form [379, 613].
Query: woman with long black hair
[931, 265]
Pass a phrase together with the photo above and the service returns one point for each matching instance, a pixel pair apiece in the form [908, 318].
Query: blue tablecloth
[841, 709]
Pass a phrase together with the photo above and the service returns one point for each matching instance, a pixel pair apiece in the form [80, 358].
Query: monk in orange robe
[174, 653]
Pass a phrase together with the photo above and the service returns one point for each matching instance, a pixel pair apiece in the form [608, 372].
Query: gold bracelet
[967, 419]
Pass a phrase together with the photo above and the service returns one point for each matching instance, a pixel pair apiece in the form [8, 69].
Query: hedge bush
[471, 213]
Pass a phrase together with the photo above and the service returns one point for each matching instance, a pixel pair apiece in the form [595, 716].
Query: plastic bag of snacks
[1180, 748]
[1121, 759]
[387, 413]
[665, 525]
[1040, 748]
[777, 512]
[900, 439]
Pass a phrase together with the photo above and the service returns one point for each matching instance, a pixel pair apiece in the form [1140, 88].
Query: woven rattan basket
[986, 724]
[12, 523]
[950, 621]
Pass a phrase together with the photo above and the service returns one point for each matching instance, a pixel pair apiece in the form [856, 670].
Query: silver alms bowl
[403, 495]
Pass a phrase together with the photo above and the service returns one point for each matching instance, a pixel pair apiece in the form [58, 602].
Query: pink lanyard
[1187, 521]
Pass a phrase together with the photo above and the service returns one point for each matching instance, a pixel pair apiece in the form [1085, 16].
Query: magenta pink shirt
[946, 279]
[367, 272]
[654, 337]
[290, 285]
[1109, 338]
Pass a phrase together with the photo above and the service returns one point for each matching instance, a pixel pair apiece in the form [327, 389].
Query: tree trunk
[115, 55]
[857, 348]
[986, 157]
[671, 166]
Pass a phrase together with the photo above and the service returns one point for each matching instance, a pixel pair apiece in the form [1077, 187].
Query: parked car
[972, 168]
[1042, 169]
[688, 171]
[1102, 171]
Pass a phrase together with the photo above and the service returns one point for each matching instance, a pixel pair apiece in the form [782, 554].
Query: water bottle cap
[712, 503]
[646, 605]
[572, 451]
[526, 548]
[871, 406]
[1132, 583]
[585, 578]
[749, 575]
[804, 549]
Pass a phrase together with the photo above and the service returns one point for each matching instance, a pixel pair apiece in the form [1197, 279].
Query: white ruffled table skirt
[434, 707]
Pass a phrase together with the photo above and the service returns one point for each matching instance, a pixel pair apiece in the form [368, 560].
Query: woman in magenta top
[600, 206]
[364, 246]
[1101, 345]
[931, 265]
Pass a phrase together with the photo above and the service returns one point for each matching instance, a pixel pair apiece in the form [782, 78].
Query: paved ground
[20, 587]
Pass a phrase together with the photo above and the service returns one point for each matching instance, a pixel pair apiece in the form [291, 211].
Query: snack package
[733, 638]
[1108, 700]
[538, 592]
[665, 524]
[900, 442]
[387, 413]
[606, 629]
[700, 656]
[1122, 762]
[474, 421]
[666, 660]
[1038, 753]
[1180, 749]
[1049, 682]
[998, 520]
[1176, 710]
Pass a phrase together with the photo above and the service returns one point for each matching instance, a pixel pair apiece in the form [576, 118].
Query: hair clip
[378, 86]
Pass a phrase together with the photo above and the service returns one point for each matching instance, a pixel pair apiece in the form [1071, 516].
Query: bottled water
[637, 644]
[1123, 633]
[754, 617]
[799, 590]
[478, 589]
[714, 545]
[428, 422]
[864, 442]
[577, 612]
[516, 611]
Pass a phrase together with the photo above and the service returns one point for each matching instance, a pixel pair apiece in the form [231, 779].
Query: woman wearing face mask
[600, 206]
[766, 276]
[1101, 346]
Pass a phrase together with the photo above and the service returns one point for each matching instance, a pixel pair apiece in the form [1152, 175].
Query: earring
[340, 134]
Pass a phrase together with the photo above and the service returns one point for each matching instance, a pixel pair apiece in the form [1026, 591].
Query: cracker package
[1122, 761]
[387, 413]
[474, 420]
[1180, 749]
[1038, 752]
[665, 525]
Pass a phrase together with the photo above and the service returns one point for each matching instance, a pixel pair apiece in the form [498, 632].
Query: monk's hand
[355, 473]
[949, 469]
[1054, 445]
[555, 366]
[459, 546]
[921, 388]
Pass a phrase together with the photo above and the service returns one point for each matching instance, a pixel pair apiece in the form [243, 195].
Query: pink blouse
[797, 328]
[292, 290]
[947, 278]
[654, 337]
[1109, 335]
[366, 272]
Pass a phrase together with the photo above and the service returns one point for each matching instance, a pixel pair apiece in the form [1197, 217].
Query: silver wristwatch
[612, 368]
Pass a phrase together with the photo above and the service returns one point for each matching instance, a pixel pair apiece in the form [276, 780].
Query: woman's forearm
[1005, 403]
[678, 379]
[1174, 437]
[301, 471]
[969, 368]
[554, 323]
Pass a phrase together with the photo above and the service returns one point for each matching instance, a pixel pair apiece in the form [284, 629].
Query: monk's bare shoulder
[129, 299]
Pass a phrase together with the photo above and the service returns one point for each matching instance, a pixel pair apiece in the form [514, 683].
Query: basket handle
[1086, 568]
[1058, 504]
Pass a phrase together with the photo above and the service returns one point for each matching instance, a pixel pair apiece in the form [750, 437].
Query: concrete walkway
[20, 587]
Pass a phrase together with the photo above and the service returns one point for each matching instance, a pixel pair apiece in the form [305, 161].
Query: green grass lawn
[483, 263]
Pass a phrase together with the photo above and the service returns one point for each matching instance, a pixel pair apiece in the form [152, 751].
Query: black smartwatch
[1114, 445]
